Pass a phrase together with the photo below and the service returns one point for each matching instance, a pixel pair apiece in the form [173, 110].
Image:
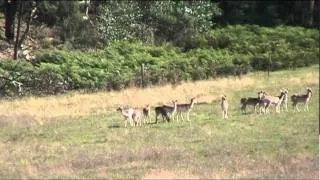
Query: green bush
[233, 50]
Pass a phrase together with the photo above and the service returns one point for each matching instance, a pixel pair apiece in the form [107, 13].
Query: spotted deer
[267, 100]
[302, 98]
[185, 109]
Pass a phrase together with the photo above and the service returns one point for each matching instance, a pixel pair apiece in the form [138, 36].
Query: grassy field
[81, 135]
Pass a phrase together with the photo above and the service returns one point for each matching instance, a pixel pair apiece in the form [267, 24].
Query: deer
[185, 109]
[132, 115]
[166, 111]
[249, 101]
[224, 106]
[267, 100]
[136, 116]
[284, 103]
[146, 113]
[127, 114]
[302, 98]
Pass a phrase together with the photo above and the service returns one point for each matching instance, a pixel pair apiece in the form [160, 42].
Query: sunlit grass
[82, 136]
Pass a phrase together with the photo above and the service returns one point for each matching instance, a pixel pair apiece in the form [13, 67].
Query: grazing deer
[127, 114]
[224, 106]
[146, 113]
[249, 101]
[185, 109]
[303, 98]
[284, 102]
[267, 100]
[166, 111]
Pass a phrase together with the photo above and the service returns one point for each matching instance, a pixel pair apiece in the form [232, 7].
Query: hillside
[79, 135]
[231, 50]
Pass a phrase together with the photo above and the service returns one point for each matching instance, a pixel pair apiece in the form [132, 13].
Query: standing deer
[224, 106]
[185, 109]
[127, 114]
[303, 98]
[267, 100]
[146, 113]
[166, 111]
[131, 115]
[249, 101]
[284, 103]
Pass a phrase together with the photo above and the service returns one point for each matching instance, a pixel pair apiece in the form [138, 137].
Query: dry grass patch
[169, 174]
[76, 105]
[40, 109]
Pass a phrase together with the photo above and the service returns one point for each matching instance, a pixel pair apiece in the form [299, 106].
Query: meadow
[81, 135]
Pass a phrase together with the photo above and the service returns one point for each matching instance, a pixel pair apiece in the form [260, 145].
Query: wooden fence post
[142, 83]
[269, 64]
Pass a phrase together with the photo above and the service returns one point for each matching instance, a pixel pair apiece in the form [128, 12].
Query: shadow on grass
[114, 126]
[151, 124]
[118, 125]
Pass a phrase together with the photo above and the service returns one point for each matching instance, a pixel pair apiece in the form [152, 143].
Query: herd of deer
[134, 115]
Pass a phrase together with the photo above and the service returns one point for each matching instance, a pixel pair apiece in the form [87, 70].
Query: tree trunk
[10, 11]
[310, 13]
[16, 44]
[31, 16]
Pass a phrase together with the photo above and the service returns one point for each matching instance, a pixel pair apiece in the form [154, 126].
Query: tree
[10, 12]
[28, 15]
[163, 21]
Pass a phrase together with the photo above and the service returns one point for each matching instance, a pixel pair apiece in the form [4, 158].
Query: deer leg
[260, 110]
[129, 121]
[172, 117]
[167, 117]
[277, 108]
[286, 107]
[177, 117]
[306, 106]
[182, 117]
[266, 109]
[145, 120]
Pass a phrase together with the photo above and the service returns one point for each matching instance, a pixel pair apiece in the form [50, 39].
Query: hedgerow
[233, 50]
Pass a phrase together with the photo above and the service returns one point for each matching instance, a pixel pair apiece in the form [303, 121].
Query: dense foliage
[92, 23]
[159, 21]
[233, 50]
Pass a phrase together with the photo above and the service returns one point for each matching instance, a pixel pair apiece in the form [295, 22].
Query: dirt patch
[166, 174]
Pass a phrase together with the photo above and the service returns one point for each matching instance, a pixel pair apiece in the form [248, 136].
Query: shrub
[233, 50]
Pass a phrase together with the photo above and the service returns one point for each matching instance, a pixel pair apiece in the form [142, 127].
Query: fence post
[269, 64]
[142, 76]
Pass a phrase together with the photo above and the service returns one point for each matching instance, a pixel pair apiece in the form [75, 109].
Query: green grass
[244, 146]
